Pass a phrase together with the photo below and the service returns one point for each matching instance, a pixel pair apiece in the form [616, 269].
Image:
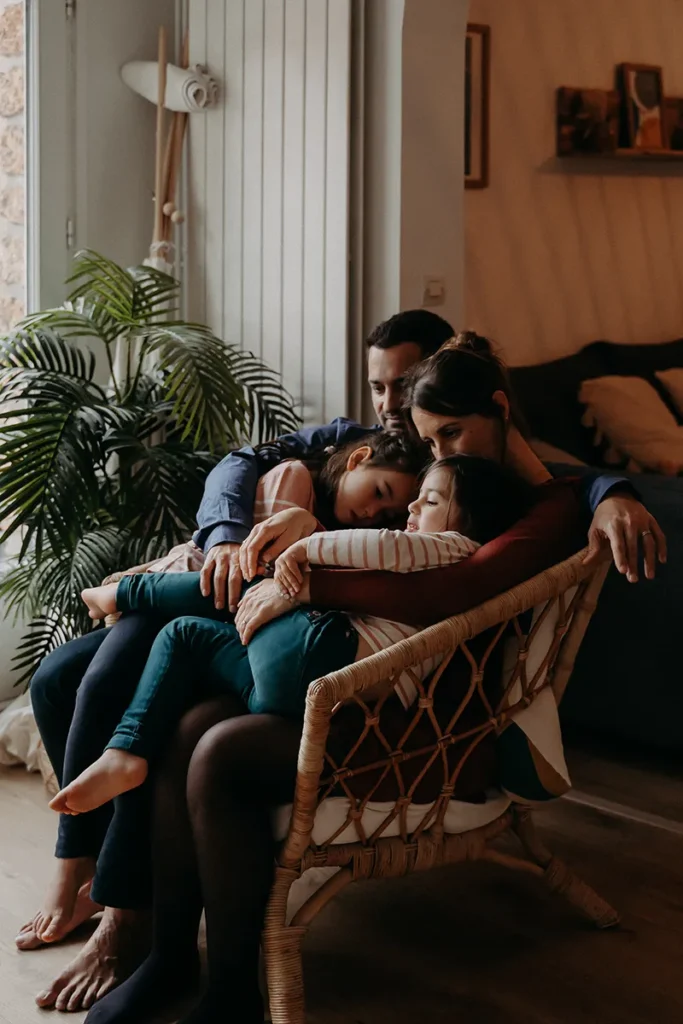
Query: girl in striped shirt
[463, 502]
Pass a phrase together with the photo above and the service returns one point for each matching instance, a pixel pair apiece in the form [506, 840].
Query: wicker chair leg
[560, 878]
[282, 954]
[284, 972]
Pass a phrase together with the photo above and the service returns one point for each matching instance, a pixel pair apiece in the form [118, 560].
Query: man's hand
[290, 568]
[273, 536]
[260, 605]
[222, 569]
[622, 522]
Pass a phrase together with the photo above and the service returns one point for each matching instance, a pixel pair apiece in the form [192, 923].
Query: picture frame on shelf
[642, 107]
[477, 93]
[673, 123]
[587, 121]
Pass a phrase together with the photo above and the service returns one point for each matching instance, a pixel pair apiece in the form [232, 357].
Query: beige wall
[413, 155]
[560, 254]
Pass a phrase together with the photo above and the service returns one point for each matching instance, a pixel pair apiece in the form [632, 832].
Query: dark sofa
[628, 679]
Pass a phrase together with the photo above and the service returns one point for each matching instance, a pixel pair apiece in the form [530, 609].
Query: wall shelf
[640, 155]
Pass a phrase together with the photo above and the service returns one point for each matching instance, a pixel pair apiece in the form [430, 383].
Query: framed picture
[477, 70]
[673, 122]
[587, 121]
[642, 123]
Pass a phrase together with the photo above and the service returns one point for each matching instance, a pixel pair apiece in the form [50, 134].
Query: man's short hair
[418, 326]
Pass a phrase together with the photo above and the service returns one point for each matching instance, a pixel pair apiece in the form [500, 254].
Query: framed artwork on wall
[642, 98]
[477, 74]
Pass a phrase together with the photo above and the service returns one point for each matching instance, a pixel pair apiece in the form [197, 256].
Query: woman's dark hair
[460, 380]
[327, 465]
[490, 496]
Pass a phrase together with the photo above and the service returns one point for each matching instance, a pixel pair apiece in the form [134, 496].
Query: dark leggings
[79, 693]
[213, 847]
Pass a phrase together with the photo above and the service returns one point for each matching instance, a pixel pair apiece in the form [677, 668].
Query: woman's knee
[249, 758]
[195, 723]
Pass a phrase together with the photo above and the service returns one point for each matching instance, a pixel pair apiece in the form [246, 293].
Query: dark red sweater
[551, 531]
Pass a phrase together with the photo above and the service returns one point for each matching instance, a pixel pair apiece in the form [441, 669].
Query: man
[224, 520]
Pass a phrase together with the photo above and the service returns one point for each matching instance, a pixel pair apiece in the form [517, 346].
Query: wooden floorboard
[469, 945]
[27, 836]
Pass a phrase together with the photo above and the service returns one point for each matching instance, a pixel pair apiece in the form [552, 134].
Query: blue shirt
[225, 515]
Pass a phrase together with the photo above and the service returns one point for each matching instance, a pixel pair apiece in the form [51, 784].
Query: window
[13, 275]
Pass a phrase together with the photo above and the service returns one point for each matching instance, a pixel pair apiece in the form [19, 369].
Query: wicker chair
[571, 592]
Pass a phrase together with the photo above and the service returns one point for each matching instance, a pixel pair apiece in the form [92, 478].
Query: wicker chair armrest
[325, 693]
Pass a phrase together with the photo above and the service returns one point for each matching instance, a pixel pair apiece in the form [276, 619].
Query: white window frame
[50, 126]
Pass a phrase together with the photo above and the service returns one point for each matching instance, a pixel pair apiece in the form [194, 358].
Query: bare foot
[115, 772]
[114, 950]
[101, 601]
[67, 904]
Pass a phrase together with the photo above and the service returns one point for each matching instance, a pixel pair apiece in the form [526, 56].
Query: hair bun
[469, 341]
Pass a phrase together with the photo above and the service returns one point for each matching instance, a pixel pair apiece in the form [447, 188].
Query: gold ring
[646, 533]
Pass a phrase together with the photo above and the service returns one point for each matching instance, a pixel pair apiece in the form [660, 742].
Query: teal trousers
[198, 653]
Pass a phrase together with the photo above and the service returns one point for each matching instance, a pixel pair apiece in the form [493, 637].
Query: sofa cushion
[672, 382]
[547, 394]
[632, 424]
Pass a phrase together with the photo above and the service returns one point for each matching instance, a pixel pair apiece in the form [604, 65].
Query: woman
[225, 785]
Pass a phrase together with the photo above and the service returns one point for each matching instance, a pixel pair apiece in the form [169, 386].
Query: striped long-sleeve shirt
[394, 551]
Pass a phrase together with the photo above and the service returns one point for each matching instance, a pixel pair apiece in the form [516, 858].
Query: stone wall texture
[12, 164]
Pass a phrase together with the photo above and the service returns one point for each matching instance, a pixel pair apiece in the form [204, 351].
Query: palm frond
[208, 403]
[155, 295]
[47, 351]
[271, 407]
[42, 636]
[163, 495]
[99, 280]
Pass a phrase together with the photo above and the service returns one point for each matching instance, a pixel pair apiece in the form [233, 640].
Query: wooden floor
[473, 945]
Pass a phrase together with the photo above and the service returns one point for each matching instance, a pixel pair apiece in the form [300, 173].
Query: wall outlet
[433, 291]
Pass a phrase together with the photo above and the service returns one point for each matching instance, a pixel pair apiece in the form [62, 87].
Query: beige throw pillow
[673, 382]
[629, 415]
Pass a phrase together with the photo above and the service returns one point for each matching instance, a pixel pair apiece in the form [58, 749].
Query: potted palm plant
[112, 413]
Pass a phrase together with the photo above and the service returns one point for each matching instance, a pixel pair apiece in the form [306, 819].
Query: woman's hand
[622, 522]
[260, 605]
[273, 536]
[290, 568]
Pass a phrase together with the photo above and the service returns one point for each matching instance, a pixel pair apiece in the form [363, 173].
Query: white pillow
[628, 414]
[673, 382]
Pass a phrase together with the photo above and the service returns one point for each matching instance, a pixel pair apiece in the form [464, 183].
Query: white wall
[559, 253]
[268, 181]
[432, 150]
[413, 155]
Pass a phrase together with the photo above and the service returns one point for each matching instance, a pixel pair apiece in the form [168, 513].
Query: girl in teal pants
[302, 645]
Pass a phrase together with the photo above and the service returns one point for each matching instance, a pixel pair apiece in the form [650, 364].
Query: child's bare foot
[101, 601]
[115, 772]
[62, 912]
